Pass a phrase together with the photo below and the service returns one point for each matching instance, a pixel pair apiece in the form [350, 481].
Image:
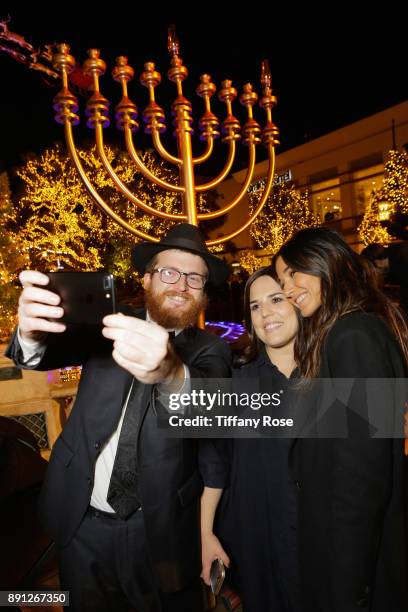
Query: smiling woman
[351, 531]
[303, 289]
[257, 517]
[327, 280]
[271, 320]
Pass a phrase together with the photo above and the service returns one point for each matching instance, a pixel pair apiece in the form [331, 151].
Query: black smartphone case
[86, 297]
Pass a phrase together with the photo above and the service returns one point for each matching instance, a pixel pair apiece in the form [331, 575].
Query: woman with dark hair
[257, 521]
[351, 532]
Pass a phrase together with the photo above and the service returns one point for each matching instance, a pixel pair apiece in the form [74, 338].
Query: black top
[351, 532]
[361, 344]
[257, 517]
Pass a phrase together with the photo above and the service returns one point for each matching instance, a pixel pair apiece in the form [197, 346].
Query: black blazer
[170, 484]
[352, 539]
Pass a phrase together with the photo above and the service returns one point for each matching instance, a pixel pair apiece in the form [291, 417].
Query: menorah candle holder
[97, 113]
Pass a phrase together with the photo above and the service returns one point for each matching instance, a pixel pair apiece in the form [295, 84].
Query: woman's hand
[211, 549]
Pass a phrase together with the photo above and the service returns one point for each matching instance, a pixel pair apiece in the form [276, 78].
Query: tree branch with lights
[285, 212]
[56, 224]
[59, 222]
[14, 257]
[390, 200]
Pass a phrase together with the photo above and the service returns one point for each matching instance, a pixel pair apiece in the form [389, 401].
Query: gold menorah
[97, 111]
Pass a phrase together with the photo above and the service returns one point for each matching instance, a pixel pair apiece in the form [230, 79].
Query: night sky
[328, 68]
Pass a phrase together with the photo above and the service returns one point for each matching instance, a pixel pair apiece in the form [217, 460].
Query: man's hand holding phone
[140, 347]
[51, 302]
[39, 309]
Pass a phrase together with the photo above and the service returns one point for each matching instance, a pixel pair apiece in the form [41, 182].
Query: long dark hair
[347, 284]
[256, 345]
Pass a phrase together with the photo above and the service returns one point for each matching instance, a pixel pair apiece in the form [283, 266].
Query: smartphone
[217, 576]
[86, 297]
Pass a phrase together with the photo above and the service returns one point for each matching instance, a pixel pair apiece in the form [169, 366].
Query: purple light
[230, 331]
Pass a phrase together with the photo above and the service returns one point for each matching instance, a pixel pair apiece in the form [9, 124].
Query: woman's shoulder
[246, 370]
[362, 323]
[251, 368]
[260, 367]
[362, 344]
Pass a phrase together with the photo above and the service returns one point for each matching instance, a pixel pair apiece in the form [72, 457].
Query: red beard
[170, 319]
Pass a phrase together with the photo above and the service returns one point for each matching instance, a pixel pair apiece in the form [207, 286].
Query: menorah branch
[242, 191]
[95, 195]
[265, 196]
[207, 153]
[144, 170]
[121, 186]
[223, 174]
[176, 161]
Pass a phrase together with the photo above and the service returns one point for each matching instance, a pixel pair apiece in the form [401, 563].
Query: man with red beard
[121, 499]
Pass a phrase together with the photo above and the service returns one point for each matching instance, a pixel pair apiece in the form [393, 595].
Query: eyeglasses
[171, 276]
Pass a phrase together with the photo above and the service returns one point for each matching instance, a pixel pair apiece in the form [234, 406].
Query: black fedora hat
[187, 238]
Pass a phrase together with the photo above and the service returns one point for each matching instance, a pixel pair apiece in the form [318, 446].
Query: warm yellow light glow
[285, 212]
[249, 261]
[13, 258]
[390, 198]
[56, 224]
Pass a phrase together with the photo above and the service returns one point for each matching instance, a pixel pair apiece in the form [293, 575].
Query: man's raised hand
[142, 348]
[38, 309]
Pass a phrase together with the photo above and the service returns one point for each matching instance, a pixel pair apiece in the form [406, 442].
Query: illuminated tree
[58, 221]
[285, 212]
[394, 190]
[371, 229]
[248, 261]
[389, 200]
[13, 258]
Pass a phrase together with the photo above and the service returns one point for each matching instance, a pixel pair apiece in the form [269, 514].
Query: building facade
[338, 171]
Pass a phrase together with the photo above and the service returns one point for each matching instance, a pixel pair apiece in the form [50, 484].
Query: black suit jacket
[352, 539]
[170, 484]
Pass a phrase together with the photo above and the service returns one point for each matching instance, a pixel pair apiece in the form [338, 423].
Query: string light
[57, 224]
[249, 261]
[14, 257]
[285, 212]
[59, 218]
[390, 198]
